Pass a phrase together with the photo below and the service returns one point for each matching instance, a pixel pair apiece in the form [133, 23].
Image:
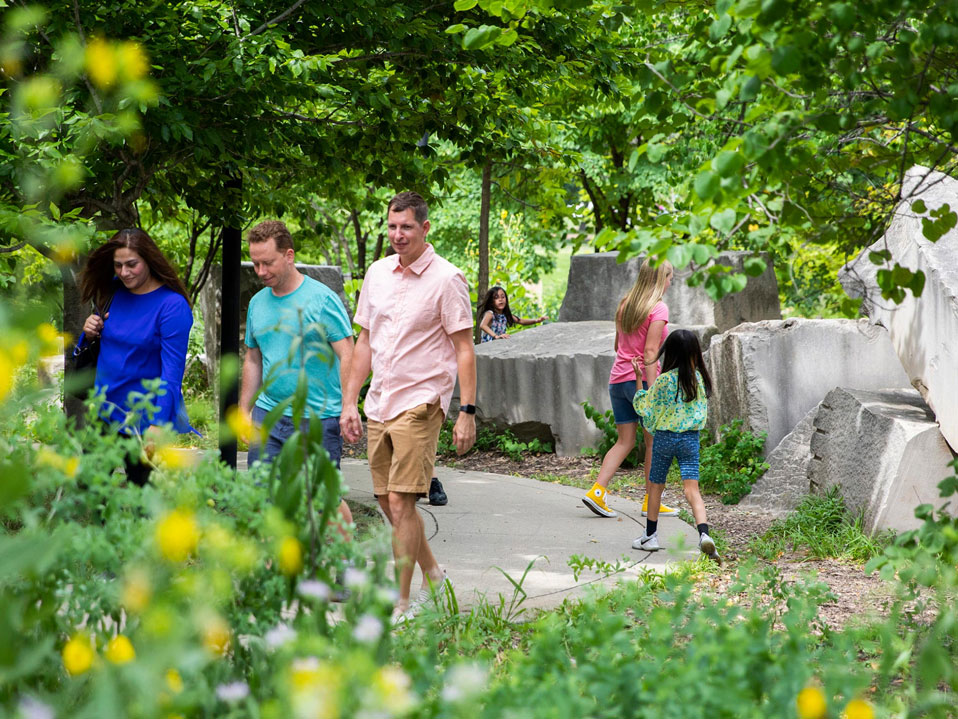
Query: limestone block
[535, 381]
[884, 451]
[771, 373]
[597, 282]
[924, 331]
[210, 304]
[785, 482]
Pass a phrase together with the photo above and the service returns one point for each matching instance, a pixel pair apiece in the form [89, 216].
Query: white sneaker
[431, 590]
[707, 545]
[647, 543]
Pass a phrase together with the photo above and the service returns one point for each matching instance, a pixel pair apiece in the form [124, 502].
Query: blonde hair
[645, 294]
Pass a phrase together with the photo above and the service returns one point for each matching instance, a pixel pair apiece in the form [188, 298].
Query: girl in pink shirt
[640, 329]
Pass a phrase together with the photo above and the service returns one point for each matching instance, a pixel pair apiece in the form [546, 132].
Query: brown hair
[410, 201]
[275, 229]
[645, 294]
[96, 280]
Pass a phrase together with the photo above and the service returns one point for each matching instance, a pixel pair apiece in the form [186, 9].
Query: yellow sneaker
[594, 499]
[664, 511]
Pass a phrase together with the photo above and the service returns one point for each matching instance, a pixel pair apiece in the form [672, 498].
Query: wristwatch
[467, 408]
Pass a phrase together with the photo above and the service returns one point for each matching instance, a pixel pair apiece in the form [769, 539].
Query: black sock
[703, 528]
[650, 527]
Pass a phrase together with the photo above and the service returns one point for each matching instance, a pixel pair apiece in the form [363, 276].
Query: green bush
[605, 422]
[731, 465]
[821, 526]
[489, 438]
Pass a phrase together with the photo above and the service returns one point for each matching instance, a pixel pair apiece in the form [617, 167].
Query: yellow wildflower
[177, 535]
[315, 688]
[176, 457]
[78, 654]
[811, 703]
[20, 352]
[216, 635]
[49, 337]
[752, 227]
[6, 375]
[137, 591]
[392, 685]
[858, 709]
[290, 556]
[133, 61]
[239, 423]
[119, 650]
[101, 63]
[174, 681]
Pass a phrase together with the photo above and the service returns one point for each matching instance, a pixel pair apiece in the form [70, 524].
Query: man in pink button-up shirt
[416, 334]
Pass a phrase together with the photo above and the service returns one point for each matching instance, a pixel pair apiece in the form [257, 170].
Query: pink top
[632, 344]
[410, 313]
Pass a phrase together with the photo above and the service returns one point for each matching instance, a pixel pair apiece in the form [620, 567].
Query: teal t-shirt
[314, 313]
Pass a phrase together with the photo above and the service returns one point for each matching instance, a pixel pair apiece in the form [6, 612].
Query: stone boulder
[885, 452]
[924, 330]
[210, 305]
[785, 483]
[598, 281]
[772, 373]
[535, 381]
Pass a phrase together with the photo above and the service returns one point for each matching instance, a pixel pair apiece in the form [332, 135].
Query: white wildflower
[279, 635]
[31, 708]
[464, 681]
[232, 692]
[314, 589]
[368, 628]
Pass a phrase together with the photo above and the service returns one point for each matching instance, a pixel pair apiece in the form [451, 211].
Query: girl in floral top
[674, 410]
[495, 316]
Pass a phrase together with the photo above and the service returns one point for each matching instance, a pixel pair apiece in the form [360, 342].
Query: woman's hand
[94, 325]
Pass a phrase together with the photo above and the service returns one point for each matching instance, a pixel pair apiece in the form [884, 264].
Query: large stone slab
[785, 483]
[924, 330]
[597, 282]
[535, 381]
[211, 304]
[771, 373]
[884, 451]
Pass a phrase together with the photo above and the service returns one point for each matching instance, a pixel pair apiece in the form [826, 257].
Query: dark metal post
[229, 334]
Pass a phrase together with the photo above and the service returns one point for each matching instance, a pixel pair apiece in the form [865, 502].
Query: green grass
[823, 528]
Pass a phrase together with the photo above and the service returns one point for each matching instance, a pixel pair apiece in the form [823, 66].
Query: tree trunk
[483, 284]
[74, 314]
[229, 321]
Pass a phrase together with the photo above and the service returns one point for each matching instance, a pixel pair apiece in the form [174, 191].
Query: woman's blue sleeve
[176, 320]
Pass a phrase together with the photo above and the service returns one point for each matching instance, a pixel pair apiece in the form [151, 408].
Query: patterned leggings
[683, 446]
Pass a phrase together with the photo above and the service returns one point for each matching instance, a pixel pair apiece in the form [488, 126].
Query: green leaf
[453, 29]
[706, 184]
[720, 27]
[754, 266]
[479, 37]
[679, 255]
[880, 257]
[702, 253]
[633, 158]
[54, 211]
[723, 221]
[463, 5]
[786, 60]
[728, 163]
[919, 207]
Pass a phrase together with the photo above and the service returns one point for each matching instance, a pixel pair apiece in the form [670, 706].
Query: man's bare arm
[252, 378]
[464, 431]
[349, 422]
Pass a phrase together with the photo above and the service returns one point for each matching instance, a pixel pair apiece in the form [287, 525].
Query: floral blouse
[664, 406]
[498, 325]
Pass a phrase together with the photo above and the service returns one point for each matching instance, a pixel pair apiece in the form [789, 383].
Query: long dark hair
[489, 305]
[682, 351]
[96, 280]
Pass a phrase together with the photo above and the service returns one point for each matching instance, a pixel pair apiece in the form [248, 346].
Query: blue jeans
[682, 446]
[283, 430]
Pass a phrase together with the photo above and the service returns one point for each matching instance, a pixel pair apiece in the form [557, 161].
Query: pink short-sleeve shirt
[409, 313]
[632, 344]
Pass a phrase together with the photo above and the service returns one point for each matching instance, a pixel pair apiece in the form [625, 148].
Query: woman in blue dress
[143, 335]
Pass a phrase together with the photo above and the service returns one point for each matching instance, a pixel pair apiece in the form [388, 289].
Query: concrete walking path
[495, 521]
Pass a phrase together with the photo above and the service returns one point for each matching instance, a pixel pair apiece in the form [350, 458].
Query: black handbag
[83, 362]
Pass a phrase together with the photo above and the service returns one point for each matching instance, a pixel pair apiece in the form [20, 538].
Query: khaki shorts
[402, 450]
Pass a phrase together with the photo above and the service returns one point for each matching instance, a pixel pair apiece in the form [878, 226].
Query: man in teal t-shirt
[293, 322]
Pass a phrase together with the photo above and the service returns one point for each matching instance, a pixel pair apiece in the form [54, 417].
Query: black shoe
[437, 497]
